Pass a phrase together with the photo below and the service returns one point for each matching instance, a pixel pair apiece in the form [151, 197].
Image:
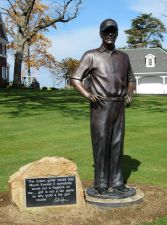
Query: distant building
[4, 67]
[150, 68]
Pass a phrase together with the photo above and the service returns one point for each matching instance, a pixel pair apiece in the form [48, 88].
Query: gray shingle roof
[137, 58]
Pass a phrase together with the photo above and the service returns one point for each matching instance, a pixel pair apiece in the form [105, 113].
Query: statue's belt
[114, 99]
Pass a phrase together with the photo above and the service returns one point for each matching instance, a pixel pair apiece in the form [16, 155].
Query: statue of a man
[111, 81]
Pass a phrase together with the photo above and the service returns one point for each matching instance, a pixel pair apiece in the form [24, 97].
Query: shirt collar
[103, 49]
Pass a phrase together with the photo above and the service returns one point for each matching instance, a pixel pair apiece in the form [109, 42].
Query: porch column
[137, 84]
[163, 84]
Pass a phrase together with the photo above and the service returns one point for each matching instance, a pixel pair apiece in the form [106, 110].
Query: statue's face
[109, 35]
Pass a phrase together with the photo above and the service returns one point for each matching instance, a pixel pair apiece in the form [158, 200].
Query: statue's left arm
[131, 84]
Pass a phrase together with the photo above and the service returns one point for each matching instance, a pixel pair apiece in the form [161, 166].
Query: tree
[146, 31]
[65, 70]
[29, 22]
[35, 53]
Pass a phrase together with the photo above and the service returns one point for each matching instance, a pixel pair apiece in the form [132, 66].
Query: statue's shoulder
[92, 51]
[89, 54]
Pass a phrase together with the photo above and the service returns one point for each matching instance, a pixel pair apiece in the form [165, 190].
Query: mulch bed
[153, 207]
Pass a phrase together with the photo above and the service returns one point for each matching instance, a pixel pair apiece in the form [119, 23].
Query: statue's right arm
[81, 72]
[78, 85]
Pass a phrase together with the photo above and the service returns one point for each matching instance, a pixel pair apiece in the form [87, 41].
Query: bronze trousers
[107, 122]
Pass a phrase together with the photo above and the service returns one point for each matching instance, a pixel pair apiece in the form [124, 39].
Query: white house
[150, 68]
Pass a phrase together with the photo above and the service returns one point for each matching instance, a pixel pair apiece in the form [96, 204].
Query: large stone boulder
[48, 167]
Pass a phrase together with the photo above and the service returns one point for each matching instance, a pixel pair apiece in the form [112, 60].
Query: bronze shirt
[110, 72]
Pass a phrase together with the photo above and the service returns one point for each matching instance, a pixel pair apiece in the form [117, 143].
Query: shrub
[44, 88]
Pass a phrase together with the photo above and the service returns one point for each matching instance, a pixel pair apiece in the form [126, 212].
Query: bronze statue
[111, 82]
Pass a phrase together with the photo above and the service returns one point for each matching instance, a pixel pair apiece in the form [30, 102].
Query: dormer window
[150, 60]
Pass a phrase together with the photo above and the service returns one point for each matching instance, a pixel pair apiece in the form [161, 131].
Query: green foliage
[44, 88]
[145, 30]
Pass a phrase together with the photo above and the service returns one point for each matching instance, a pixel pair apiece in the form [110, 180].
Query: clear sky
[74, 38]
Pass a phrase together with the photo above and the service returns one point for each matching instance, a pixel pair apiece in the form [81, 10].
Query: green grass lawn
[35, 124]
[162, 221]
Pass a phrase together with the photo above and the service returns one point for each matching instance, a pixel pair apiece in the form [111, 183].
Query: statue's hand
[95, 98]
[128, 100]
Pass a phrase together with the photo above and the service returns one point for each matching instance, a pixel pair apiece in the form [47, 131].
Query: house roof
[2, 30]
[137, 58]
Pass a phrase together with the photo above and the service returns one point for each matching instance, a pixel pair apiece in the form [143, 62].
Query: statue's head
[109, 31]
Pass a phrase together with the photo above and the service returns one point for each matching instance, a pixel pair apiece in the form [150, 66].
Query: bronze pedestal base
[114, 199]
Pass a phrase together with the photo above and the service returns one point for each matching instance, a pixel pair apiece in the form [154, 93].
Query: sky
[72, 39]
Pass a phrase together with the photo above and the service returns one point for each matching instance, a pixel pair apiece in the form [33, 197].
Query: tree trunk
[29, 66]
[17, 69]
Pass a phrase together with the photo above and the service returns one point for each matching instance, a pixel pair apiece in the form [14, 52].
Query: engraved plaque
[50, 191]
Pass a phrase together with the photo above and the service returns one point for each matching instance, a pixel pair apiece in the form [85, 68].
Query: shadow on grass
[150, 103]
[130, 165]
[21, 103]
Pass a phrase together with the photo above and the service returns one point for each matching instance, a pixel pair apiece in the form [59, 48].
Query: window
[150, 60]
[2, 49]
[4, 73]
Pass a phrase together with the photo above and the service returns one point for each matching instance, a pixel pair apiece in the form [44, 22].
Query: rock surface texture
[43, 168]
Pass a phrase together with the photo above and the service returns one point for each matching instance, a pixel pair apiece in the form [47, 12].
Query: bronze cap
[108, 23]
